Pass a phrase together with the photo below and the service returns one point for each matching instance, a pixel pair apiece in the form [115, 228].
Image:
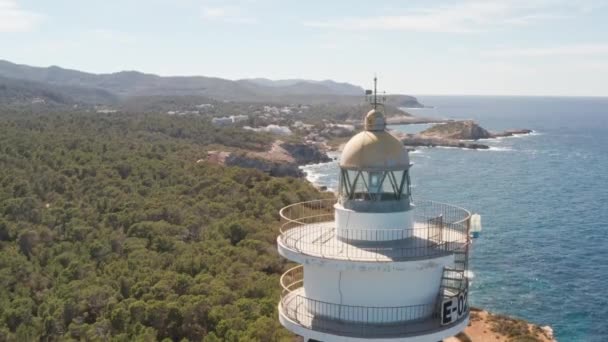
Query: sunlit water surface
[543, 253]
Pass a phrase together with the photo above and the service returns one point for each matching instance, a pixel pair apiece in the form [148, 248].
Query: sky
[477, 47]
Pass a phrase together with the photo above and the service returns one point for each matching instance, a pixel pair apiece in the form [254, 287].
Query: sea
[543, 200]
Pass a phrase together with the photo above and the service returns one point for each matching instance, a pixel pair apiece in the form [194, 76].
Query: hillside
[110, 230]
[330, 86]
[127, 84]
[20, 92]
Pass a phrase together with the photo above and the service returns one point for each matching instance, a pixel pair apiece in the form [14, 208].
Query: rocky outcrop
[281, 160]
[305, 153]
[485, 326]
[467, 130]
[459, 130]
[459, 134]
[416, 140]
[511, 132]
[403, 101]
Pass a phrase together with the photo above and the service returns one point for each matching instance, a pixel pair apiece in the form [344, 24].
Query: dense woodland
[110, 230]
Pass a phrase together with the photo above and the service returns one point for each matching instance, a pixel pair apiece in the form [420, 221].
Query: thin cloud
[15, 19]
[472, 16]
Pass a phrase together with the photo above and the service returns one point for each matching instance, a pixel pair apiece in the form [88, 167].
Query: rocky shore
[416, 140]
[512, 132]
[485, 326]
[459, 134]
[284, 159]
[281, 160]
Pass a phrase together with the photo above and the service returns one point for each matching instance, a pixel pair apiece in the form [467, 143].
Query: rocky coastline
[282, 160]
[486, 326]
[416, 140]
[457, 134]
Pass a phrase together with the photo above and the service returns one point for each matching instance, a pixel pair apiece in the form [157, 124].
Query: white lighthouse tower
[373, 264]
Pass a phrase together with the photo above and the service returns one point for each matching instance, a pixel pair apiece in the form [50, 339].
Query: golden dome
[374, 150]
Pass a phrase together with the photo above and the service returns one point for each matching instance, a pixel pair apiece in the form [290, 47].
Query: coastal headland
[486, 326]
[459, 134]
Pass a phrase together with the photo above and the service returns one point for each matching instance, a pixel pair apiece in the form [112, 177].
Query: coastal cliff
[417, 140]
[459, 134]
[486, 326]
[305, 153]
[281, 160]
[460, 130]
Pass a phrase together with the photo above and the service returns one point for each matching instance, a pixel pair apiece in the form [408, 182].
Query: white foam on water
[451, 148]
[311, 176]
[499, 149]
[522, 135]
[321, 174]
[467, 149]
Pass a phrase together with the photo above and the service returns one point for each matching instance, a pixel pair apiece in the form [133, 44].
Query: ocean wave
[460, 148]
[522, 135]
[309, 166]
[312, 176]
[499, 149]
[452, 148]
[491, 148]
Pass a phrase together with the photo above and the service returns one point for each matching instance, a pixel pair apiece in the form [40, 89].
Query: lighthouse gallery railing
[439, 229]
[351, 319]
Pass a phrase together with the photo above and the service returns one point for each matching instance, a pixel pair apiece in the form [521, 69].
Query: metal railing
[323, 209]
[439, 229]
[349, 320]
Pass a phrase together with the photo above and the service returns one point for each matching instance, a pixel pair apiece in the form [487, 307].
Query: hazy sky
[505, 47]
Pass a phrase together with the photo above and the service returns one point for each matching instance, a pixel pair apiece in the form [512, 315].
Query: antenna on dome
[371, 96]
[375, 91]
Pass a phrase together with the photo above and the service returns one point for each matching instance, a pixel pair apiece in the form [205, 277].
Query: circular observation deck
[309, 230]
[318, 319]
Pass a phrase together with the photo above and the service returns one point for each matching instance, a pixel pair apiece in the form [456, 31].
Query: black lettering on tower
[447, 318]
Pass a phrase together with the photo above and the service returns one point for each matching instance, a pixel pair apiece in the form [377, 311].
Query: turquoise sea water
[543, 252]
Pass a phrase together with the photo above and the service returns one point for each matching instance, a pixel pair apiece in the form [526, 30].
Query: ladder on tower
[461, 254]
[461, 259]
[453, 281]
[453, 303]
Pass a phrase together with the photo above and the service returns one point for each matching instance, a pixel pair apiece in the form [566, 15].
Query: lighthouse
[374, 265]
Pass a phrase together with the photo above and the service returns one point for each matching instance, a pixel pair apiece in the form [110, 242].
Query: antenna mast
[375, 91]
[371, 96]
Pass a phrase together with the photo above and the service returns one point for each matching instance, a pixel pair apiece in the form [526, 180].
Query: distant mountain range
[64, 86]
[327, 86]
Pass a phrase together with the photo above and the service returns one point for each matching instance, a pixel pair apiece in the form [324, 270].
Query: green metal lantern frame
[374, 185]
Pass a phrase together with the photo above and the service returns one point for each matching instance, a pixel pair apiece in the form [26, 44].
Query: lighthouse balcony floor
[309, 229]
[298, 312]
[323, 241]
